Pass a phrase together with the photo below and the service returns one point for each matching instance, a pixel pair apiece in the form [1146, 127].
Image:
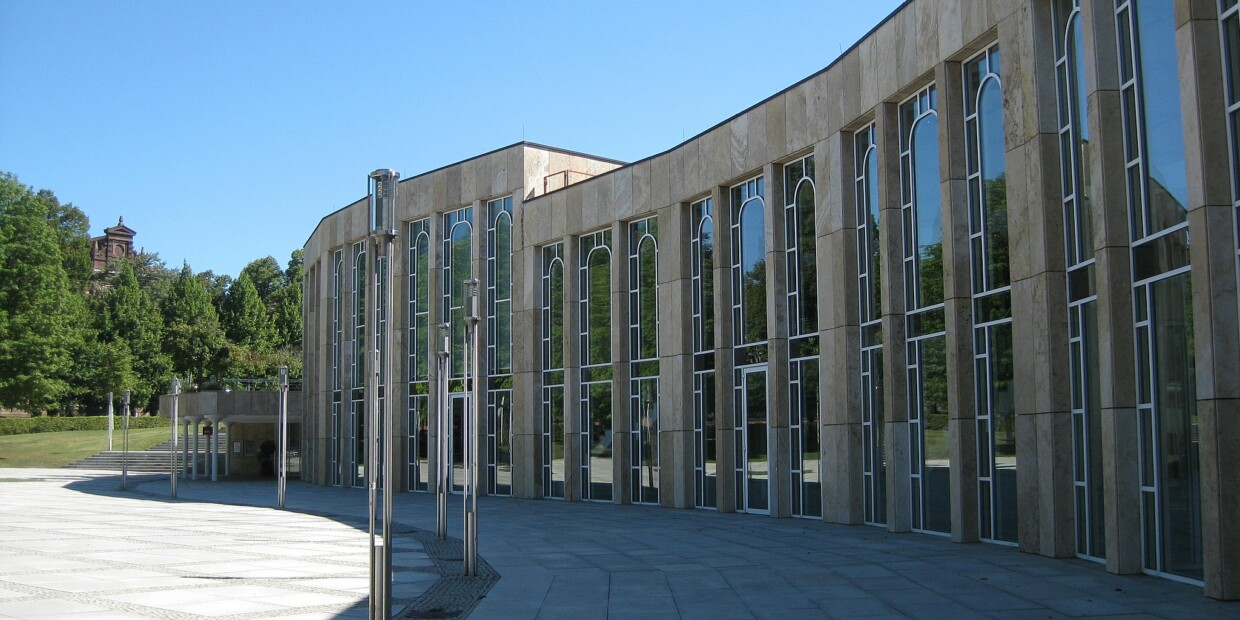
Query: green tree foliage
[193, 337]
[36, 335]
[267, 277]
[245, 318]
[127, 313]
[73, 232]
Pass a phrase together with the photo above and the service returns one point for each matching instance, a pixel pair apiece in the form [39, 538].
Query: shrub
[21, 426]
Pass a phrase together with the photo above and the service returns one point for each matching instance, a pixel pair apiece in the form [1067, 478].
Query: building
[943, 285]
[115, 242]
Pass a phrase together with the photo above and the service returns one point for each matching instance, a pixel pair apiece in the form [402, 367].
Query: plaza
[73, 546]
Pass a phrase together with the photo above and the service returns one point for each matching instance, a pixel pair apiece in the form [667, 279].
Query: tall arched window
[869, 274]
[499, 346]
[552, 448]
[992, 299]
[644, 360]
[929, 445]
[357, 411]
[1162, 288]
[1074, 146]
[702, 263]
[749, 334]
[801, 270]
[419, 301]
[458, 267]
[596, 372]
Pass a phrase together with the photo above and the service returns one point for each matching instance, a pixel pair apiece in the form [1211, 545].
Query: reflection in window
[1166, 377]
[929, 445]
[552, 447]
[749, 310]
[802, 276]
[419, 301]
[749, 264]
[336, 449]
[869, 275]
[357, 412]
[1074, 145]
[596, 372]
[992, 306]
[1230, 21]
[702, 265]
[499, 346]
[644, 360]
[458, 257]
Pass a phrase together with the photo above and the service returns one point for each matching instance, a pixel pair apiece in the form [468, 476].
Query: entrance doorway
[456, 439]
[752, 444]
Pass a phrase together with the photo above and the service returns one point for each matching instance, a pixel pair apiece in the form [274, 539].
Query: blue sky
[222, 131]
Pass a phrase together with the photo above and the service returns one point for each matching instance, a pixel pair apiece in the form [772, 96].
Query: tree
[192, 333]
[246, 321]
[287, 315]
[73, 233]
[127, 313]
[35, 336]
[267, 277]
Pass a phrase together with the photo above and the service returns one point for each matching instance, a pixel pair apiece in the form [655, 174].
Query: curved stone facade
[943, 285]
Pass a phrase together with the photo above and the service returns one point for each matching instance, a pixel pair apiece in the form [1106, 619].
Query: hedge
[21, 426]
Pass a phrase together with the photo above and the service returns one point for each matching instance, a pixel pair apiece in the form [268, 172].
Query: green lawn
[60, 449]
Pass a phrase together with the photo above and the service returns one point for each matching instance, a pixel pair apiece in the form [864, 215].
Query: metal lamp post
[175, 388]
[282, 472]
[443, 469]
[111, 423]
[125, 443]
[383, 187]
[474, 382]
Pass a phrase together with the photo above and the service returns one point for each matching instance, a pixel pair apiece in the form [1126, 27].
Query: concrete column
[194, 463]
[526, 355]
[1216, 317]
[676, 476]
[779, 450]
[1120, 440]
[725, 438]
[228, 448]
[839, 387]
[958, 301]
[482, 409]
[213, 448]
[622, 491]
[895, 353]
[1044, 442]
[185, 449]
[574, 451]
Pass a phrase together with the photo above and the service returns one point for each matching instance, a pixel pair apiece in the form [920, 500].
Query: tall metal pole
[125, 454]
[111, 422]
[383, 184]
[172, 472]
[474, 380]
[443, 468]
[282, 472]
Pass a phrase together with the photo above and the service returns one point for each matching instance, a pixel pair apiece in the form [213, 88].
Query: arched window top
[461, 230]
[706, 229]
[503, 217]
[600, 255]
[555, 267]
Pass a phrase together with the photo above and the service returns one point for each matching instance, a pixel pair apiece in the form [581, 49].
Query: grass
[51, 450]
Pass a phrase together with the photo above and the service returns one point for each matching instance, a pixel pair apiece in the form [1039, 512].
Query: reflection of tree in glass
[930, 274]
[598, 307]
[997, 231]
[753, 296]
[647, 300]
[807, 267]
[556, 319]
[708, 285]
[934, 383]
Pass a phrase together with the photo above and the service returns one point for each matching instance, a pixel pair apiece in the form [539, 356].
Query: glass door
[754, 441]
[456, 440]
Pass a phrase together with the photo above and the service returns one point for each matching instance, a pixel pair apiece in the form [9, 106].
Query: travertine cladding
[923, 42]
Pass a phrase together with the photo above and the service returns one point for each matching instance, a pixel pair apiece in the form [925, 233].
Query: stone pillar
[194, 462]
[1120, 440]
[839, 334]
[779, 450]
[185, 463]
[895, 353]
[676, 431]
[1043, 400]
[481, 408]
[621, 490]
[574, 450]
[725, 407]
[958, 303]
[228, 450]
[213, 449]
[1212, 227]
[526, 354]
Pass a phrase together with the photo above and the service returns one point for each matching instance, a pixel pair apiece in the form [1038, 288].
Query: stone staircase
[154, 460]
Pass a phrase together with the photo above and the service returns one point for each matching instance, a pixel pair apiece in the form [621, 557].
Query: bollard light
[175, 389]
[282, 434]
[125, 443]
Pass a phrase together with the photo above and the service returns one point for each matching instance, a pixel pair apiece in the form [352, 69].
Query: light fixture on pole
[443, 475]
[383, 187]
[125, 443]
[175, 389]
[282, 472]
[473, 381]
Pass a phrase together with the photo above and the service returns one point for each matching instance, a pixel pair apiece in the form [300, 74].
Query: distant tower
[116, 242]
